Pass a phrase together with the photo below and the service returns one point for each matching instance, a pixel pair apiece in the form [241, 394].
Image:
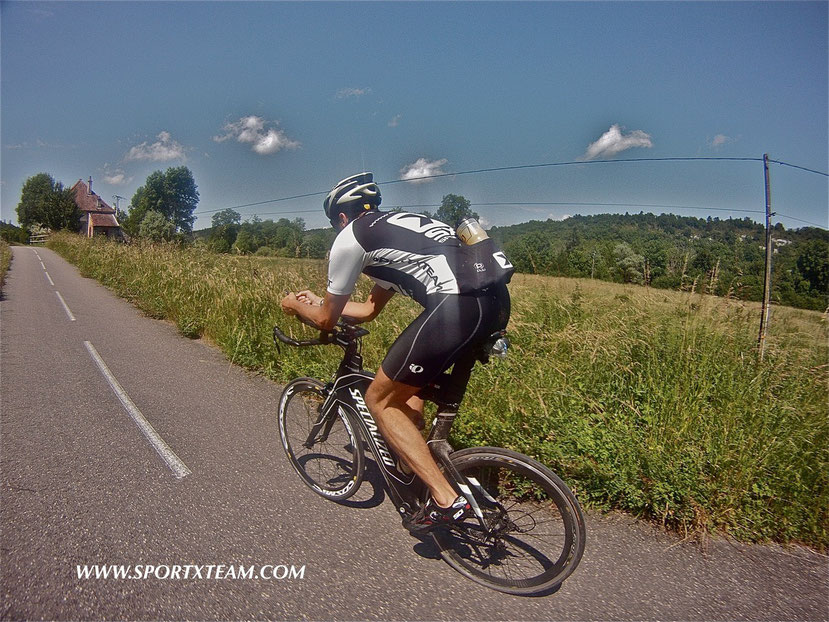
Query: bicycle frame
[347, 391]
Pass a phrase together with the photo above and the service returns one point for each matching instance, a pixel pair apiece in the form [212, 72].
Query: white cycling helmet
[351, 196]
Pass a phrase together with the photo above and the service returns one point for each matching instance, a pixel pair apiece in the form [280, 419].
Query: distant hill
[723, 257]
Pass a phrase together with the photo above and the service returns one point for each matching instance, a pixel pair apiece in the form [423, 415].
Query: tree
[10, 233]
[315, 245]
[33, 199]
[530, 253]
[155, 226]
[630, 264]
[44, 201]
[227, 216]
[453, 209]
[813, 264]
[245, 242]
[62, 212]
[172, 194]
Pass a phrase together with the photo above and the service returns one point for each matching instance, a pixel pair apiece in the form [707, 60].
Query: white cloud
[613, 141]
[719, 140]
[163, 150]
[116, 178]
[395, 120]
[252, 130]
[352, 92]
[422, 168]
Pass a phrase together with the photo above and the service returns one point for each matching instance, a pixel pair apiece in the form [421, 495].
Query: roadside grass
[5, 262]
[648, 401]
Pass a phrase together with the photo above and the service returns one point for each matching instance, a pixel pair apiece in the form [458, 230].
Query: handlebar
[342, 335]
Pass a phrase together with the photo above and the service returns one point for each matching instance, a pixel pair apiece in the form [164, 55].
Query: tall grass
[649, 401]
[5, 262]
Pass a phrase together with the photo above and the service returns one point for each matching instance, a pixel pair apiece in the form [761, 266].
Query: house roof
[88, 201]
[103, 220]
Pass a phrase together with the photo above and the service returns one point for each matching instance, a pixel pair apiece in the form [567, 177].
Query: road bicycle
[527, 534]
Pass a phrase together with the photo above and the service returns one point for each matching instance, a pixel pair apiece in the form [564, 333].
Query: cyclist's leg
[387, 400]
[416, 404]
[423, 351]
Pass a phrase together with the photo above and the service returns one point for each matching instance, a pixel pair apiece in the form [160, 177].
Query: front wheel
[534, 536]
[324, 448]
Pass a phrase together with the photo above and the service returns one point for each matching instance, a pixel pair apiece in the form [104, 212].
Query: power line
[570, 163]
[543, 165]
[802, 168]
[297, 196]
[293, 211]
[799, 219]
[487, 170]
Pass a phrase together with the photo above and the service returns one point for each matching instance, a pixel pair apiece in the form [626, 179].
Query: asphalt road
[81, 484]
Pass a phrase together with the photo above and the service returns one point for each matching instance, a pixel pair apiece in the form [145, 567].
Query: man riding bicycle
[464, 299]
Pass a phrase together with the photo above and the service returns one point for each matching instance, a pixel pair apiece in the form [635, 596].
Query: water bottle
[500, 348]
[471, 232]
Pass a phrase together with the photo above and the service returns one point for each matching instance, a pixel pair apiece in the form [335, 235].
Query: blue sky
[270, 100]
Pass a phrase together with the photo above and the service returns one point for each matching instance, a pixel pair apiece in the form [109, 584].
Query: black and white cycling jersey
[411, 254]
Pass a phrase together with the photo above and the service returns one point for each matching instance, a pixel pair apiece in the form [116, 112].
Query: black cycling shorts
[449, 324]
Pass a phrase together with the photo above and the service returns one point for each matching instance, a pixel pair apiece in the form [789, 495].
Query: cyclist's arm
[305, 303]
[370, 308]
[345, 263]
[325, 317]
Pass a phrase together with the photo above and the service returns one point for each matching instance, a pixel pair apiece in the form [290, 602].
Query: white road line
[51, 282]
[65, 307]
[178, 468]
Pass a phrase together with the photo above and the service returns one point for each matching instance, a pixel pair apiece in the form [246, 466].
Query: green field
[649, 401]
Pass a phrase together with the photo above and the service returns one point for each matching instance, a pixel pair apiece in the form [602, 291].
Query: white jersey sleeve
[345, 263]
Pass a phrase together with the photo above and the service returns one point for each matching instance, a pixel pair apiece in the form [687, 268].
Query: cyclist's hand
[308, 297]
[288, 303]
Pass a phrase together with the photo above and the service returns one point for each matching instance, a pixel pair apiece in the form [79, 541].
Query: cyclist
[424, 259]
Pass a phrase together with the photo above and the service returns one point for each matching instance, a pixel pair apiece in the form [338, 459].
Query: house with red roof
[97, 218]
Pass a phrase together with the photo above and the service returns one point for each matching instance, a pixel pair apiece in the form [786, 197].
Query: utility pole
[764, 313]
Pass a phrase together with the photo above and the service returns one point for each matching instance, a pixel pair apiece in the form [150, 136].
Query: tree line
[282, 238]
[288, 238]
[722, 257]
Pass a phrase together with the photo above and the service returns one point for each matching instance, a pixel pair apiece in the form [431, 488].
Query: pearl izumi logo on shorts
[416, 369]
